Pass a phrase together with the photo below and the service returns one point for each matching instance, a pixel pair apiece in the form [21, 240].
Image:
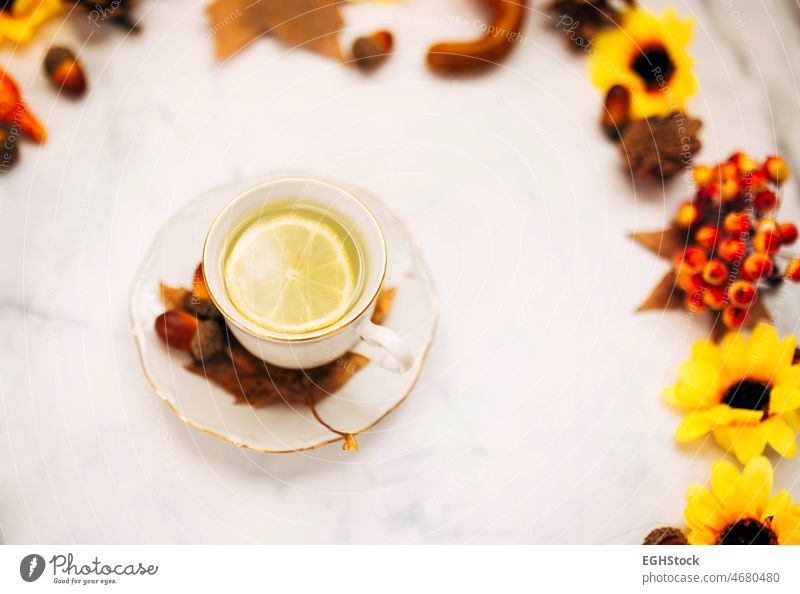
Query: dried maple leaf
[311, 24]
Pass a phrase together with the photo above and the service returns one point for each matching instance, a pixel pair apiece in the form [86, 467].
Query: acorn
[9, 150]
[65, 72]
[616, 111]
[371, 51]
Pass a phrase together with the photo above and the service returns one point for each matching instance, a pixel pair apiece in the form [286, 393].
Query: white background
[538, 418]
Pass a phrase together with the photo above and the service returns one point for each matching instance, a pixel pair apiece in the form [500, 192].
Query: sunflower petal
[779, 502]
[736, 353]
[786, 525]
[748, 443]
[693, 426]
[706, 351]
[755, 485]
[783, 399]
[724, 415]
[781, 437]
[702, 536]
[724, 478]
[703, 510]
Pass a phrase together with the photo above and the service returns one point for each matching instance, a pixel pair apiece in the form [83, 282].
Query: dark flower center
[748, 532]
[653, 64]
[747, 394]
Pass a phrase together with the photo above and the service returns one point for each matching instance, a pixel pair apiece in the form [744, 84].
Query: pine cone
[115, 12]
[666, 535]
[208, 341]
[659, 147]
[580, 20]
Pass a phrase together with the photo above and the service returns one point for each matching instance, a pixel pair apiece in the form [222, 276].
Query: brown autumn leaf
[664, 296]
[311, 24]
[663, 243]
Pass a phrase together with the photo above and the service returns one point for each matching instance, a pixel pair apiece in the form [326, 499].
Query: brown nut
[502, 34]
[371, 51]
[208, 341]
[65, 72]
[616, 111]
[177, 328]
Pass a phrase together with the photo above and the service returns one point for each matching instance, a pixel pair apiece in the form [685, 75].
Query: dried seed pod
[65, 72]
[371, 51]
[616, 111]
[503, 32]
[9, 150]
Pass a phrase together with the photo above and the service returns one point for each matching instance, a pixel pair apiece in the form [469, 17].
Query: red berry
[742, 293]
[777, 169]
[727, 171]
[756, 182]
[788, 233]
[757, 266]
[734, 317]
[707, 194]
[729, 189]
[690, 260]
[702, 175]
[688, 215]
[715, 272]
[715, 298]
[766, 242]
[694, 301]
[744, 162]
[767, 224]
[793, 270]
[737, 223]
[706, 237]
[690, 283]
[765, 201]
[731, 249]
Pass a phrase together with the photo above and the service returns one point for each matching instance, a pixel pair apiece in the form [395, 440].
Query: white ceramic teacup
[298, 351]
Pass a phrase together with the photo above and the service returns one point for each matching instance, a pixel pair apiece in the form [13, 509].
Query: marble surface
[538, 417]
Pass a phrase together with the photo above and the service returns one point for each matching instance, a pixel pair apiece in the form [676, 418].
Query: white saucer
[362, 402]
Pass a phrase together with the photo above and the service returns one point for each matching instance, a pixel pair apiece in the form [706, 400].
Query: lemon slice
[290, 274]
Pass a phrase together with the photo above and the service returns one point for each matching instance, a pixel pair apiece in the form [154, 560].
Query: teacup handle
[398, 358]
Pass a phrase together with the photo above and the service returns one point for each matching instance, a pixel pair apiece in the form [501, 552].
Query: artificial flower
[647, 55]
[19, 23]
[745, 391]
[738, 509]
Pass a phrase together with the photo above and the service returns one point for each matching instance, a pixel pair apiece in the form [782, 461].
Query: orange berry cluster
[733, 236]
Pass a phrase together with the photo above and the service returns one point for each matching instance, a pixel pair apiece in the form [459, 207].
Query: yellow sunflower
[18, 24]
[646, 54]
[738, 508]
[745, 391]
